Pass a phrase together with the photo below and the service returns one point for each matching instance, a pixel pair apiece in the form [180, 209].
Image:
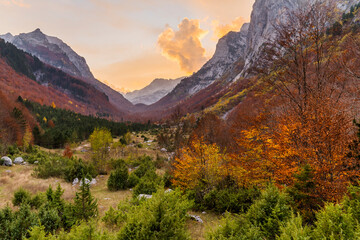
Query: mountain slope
[152, 93]
[24, 75]
[242, 50]
[229, 49]
[55, 52]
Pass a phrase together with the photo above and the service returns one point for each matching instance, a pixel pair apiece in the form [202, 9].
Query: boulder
[93, 181]
[19, 160]
[196, 218]
[146, 196]
[75, 182]
[7, 161]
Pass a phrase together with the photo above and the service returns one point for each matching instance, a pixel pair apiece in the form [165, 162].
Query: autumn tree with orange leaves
[200, 165]
[312, 122]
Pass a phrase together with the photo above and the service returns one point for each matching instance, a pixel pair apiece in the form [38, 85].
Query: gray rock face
[18, 160]
[53, 51]
[153, 92]
[7, 161]
[244, 45]
[229, 49]
[266, 14]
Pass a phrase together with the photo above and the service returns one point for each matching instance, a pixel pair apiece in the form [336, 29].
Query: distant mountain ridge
[55, 52]
[152, 93]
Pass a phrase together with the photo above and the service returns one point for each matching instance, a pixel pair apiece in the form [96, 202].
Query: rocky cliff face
[55, 52]
[152, 93]
[52, 51]
[268, 13]
[236, 52]
[229, 50]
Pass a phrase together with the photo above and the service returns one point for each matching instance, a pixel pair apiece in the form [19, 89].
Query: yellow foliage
[200, 164]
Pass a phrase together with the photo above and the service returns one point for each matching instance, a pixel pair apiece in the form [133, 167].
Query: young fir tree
[85, 206]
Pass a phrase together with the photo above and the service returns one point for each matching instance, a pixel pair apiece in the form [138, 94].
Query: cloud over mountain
[184, 45]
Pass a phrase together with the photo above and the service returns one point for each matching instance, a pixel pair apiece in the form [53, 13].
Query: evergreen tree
[85, 206]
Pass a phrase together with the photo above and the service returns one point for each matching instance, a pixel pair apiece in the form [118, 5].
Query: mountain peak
[37, 31]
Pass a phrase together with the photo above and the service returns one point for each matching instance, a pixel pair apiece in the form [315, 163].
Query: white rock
[93, 181]
[146, 196]
[7, 161]
[18, 160]
[196, 218]
[75, 182]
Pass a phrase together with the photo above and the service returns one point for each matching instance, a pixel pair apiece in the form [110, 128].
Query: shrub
[133, 180]
[118, 179]
[147, 184]
[238, 228]
[21, 196]
[146, 164]
[50, 219]
[77, 167]
[85, 206]
[37, 201]
[294, 229]
[117, 217]
[267, 212]
[333, 223]
[15, 225]
[352, 202]
[235, 200]
[161, 217]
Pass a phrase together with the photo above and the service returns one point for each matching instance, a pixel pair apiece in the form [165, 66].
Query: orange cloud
[184, 45]
[19, 3]
[221, 30]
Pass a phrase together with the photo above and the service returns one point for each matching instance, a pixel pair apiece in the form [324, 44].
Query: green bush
[235, 200]
[118, 179]
[334, 223]
[294, 229]
[116, 218]
[50, 219]
[15, 225]
[351, 202]
[76, 168]
[21, 196]
[161, 217]
[83, 231]
[37, 201]
[148, 184]
[235, 228]
[133, 180]
[145, 164]
[267, 212]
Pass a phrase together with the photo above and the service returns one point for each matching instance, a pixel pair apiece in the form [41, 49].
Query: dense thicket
[59, 126]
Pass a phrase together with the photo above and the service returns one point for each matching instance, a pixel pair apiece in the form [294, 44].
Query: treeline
[60, 126]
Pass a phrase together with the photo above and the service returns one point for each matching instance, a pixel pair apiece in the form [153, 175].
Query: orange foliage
[67, 152]
[200, 164]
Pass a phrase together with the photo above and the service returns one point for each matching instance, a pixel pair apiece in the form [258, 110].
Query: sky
[129, 43]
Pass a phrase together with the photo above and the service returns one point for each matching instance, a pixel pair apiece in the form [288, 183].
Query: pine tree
[85, 206]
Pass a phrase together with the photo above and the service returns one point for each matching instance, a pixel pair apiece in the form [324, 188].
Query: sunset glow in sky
[129, 43]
